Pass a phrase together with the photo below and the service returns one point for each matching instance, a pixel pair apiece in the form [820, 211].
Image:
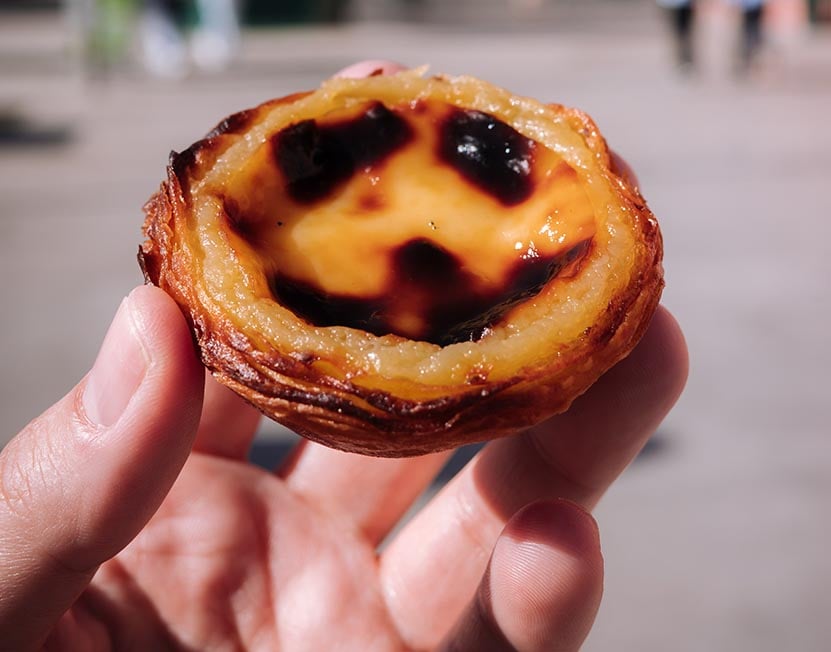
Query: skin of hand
[131, 519]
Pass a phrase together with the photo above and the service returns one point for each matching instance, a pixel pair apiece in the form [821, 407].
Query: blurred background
[717, 537]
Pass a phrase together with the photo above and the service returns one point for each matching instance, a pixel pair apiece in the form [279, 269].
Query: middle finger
[370, 493]
[228, 422]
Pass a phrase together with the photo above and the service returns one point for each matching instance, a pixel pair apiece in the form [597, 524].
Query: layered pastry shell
[387, 393]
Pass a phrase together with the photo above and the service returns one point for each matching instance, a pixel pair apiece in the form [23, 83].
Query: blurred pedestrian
[164, 51]
[177, 33]
[751, 44]
[682, 13]
[682, 18]
[216, 35]
[102, 29]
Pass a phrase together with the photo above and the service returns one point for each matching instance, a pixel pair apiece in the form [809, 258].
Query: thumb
[79, 482]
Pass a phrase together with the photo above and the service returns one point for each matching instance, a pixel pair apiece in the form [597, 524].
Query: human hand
[98, 552]
[238, 558]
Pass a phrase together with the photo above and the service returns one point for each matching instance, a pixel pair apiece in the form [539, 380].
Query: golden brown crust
[323, 394]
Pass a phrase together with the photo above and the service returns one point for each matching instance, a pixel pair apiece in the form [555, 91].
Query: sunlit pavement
[717, 538]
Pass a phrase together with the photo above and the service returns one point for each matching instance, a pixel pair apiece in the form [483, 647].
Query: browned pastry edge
[343, 415]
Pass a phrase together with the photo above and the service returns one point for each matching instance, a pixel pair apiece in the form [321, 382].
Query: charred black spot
[325, 309]
[182, 162]
[315, 159]
[488, 153]
[436, 283]
[149, 264]
[432, 283]
[237, 220]
[426, 265]
[529, 276]
[233, 124]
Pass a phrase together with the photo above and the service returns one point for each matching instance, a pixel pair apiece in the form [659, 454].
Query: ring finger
[442, 553]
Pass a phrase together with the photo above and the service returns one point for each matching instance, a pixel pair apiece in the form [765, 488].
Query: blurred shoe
[210, 50]
[216, 36]
[163, 50]
[18, 131]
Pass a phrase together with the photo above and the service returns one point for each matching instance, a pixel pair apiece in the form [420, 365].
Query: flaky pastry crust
[379, 392]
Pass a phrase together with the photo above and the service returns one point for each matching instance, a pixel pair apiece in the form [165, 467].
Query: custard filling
[419, 219]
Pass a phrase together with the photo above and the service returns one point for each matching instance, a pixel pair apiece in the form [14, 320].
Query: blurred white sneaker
[163, 50]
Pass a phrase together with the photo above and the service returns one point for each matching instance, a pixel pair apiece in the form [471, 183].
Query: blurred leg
[682, 19]
[752, 34]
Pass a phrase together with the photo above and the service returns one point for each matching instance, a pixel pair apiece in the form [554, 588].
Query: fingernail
[118, 370]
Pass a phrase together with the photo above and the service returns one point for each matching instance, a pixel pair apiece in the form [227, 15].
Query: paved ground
[716, 540]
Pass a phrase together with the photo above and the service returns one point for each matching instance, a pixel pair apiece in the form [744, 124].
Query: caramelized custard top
[422, 219]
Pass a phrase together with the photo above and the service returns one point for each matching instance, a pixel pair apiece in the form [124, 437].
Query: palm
[235, 560]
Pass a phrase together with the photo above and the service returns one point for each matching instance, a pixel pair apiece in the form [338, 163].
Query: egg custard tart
[403, 264]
